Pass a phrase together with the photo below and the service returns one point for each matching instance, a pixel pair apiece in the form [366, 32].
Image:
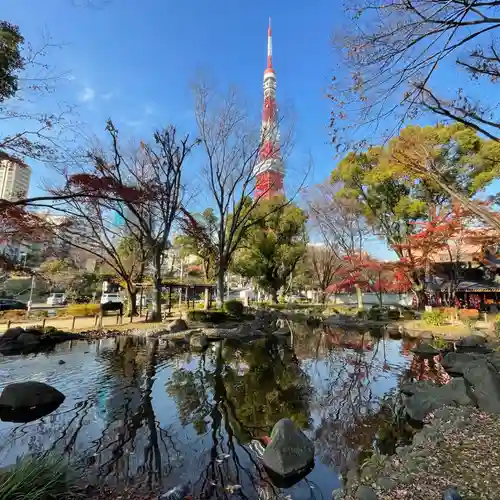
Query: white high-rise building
[14, 179]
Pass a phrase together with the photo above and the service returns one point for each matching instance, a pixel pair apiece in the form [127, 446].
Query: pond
[140, 413]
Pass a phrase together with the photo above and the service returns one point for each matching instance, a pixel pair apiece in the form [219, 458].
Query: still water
[139, 412]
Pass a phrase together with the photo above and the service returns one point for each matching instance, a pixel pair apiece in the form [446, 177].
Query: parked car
[57, 299]
[112, 302]
[10, 304]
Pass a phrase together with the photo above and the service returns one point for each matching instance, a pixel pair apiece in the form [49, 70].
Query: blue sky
[134, 61]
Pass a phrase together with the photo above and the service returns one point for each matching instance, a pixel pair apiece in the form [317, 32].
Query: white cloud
[87, 94]
[107, 96]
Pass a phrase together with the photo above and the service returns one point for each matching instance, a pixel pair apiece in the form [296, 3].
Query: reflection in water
[139, 414]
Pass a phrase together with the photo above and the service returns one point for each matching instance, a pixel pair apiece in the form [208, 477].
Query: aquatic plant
[36, 478]
[439, 342]
[434, 318]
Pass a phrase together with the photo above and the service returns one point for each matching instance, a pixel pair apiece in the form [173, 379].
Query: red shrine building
[269, 171]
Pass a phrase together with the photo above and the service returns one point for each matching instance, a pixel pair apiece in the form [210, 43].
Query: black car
[10, 304]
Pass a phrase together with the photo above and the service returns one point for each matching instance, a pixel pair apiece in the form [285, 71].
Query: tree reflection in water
[236, 394]
[330, 382]
[351, 406]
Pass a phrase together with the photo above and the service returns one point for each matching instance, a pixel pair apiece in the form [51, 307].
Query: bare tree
[148, 192]
[232, 148]
[398, 50]
[91, 227]
[325, 265]
[341, 226]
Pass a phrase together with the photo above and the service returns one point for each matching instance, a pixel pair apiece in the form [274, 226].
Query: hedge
[83, 309]
[234, 308]
[208, 316]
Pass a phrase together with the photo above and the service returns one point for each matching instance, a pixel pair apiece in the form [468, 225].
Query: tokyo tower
[269, 171]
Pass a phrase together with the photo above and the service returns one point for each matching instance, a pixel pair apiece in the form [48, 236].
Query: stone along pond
[143, 413]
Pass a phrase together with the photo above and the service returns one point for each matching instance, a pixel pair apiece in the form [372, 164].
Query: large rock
[11, 334]
[411, 388]
[27, 401]
[422, 402]
[290, 452]
[366, 493]
[18, 340]
[198, 341]
[425, 350]
[484, 382]
[178, 325]
[473, 343]
[455, 362]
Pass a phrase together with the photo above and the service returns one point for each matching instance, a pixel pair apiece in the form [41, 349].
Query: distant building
[14, 179]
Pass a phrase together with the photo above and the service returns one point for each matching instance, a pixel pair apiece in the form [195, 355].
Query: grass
[445, 330]
[36, 478]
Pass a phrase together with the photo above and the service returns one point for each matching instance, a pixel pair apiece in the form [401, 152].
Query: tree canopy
[274, 245]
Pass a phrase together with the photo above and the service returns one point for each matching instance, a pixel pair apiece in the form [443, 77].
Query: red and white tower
[270, 170]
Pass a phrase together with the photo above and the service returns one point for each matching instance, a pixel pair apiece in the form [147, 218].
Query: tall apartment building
[14, 179]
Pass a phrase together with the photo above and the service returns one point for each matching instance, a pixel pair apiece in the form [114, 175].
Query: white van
[109, 298]
[56, 299]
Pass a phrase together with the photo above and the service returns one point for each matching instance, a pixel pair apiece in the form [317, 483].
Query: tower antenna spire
[269, 46]
[270, 170]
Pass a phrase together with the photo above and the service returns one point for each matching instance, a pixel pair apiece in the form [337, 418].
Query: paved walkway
[66, 324]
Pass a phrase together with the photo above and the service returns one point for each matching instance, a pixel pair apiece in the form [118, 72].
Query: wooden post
[73, 323]
[169, 299]
[96, 318]
[43, 322]
[117, 317]
[100, 319]
[8, 324]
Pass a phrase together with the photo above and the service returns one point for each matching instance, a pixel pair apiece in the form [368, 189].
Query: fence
[73, 322]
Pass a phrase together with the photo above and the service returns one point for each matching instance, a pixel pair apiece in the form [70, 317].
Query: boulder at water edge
[28, 401]
[178, 325]
[290, 452]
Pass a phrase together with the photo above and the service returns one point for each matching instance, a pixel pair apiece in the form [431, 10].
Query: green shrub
[434, 318]
[375, 314]
[207, 316]
[36, 478]
[393, 314]
[497, 329]
[62, 312]
[439, 342]
[14, 314]
[38, 314]
[407, 314]
[469, 323]
[234, 308]
[83, 309]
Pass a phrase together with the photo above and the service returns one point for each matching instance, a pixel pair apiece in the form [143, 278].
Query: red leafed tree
[443, 235]
[367, 274]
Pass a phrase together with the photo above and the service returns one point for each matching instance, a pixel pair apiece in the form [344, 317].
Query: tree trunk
[207, 299]
[157, 285]
[322, 297]
[274, 296]
[132, 300]
[421, 298]
[220, 287]
[359, 295]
